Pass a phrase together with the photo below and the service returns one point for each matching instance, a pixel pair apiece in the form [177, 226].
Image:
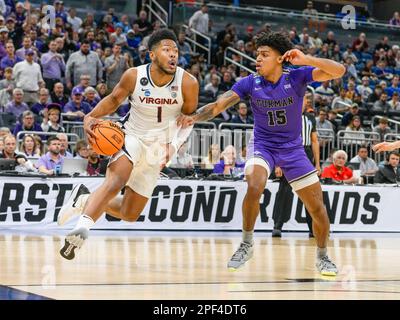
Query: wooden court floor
[181, 265]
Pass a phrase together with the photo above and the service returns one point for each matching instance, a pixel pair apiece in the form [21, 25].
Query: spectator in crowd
[144, 26]
[354, 111]
[323, 123]
[337, 171]
[226, 83]
[39, 107]
[10, 59]
[7, 85]
[332, 116]
[351, 90]
[82, 62]
[52, 161]
[28, 123]
[354, 135]
[330, 40]
[395, 21]
[212, 88]
[73, 20]
[64, 147]
[351, 69]
[368, 166]
[102, 90]
[53, 65]
[29, 147]
[17, 106]
[118, 37]
[381, 105]
[341, 103]
[115, 66]
[382, 128]
[199, 20]
[182, 159]
[90, 96]
[27, 47]
[184, 47]
[367, 70]
[364, 89]
[394, 87]
[58, 96]
[76, 109]
[94, 163]
[84, 82]
[214, 156]
[142, 57]
[81, 150]
[390, 173]
[376, 94]
[228, 161]
[51, 119]
[9, 152]
[324, 91]
[394, 103]
[242, 117]
[360, 44]
[28, 77]
[4, 131]
[349, 54]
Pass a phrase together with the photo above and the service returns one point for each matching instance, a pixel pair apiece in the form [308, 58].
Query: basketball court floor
[181, 265]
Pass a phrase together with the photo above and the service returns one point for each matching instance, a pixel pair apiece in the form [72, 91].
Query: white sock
[247, 236]
[84, 222]
[83, 199]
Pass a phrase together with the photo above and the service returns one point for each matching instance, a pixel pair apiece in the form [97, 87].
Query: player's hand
[168, 150]
[295, 57]
[278, 172]
[184, 121]
[384, 146]
[318, 167]
[88, 124]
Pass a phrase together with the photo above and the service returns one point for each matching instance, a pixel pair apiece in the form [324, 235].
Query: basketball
[109, 138]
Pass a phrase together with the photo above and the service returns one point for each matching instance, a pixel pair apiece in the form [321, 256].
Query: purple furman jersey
[277, 110]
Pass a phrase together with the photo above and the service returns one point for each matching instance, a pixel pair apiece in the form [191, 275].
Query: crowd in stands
[56, 75]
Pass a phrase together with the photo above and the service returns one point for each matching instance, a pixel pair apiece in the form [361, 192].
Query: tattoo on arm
[211, 110]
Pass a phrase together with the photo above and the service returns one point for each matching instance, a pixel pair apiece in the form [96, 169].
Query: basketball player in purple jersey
[276, 97]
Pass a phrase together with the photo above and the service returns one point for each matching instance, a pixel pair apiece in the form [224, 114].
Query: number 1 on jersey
[159, 112]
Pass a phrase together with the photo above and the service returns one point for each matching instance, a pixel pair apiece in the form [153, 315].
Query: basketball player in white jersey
[159, 93]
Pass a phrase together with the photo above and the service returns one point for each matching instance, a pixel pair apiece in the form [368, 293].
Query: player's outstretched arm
[386, 146]
[109, 104]
[325, 69]
[211, 110]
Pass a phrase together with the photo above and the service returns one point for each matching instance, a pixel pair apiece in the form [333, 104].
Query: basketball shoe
[74, 240]
[242, 254]
[75, 204]
[326, 267]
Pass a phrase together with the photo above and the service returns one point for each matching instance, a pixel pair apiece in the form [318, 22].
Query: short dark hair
[276, 40]
[159, 35]
[51, 139]
[85, 41]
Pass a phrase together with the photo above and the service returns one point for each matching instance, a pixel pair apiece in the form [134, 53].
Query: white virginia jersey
[154, 110]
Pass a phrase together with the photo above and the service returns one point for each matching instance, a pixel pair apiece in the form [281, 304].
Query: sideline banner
[34, 203]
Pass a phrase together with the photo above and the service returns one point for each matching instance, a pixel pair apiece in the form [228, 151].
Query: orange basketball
[109, 138]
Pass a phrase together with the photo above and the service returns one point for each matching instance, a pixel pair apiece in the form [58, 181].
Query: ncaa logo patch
[144, 81]
[147, 93]
[258, 81]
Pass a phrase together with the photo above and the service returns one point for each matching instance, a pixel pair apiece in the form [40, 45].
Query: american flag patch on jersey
[174, 88]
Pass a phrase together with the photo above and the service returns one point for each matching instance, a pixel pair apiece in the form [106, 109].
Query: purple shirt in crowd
[48, 162]
[277, 108]
[15, 109]
[71, 106]
[52, 66]
[8, 62]
[220, 166]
